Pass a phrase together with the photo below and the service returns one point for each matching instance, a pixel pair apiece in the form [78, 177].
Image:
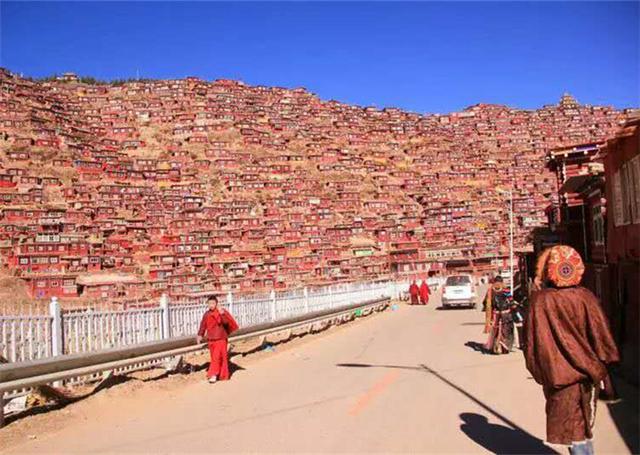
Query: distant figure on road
[414, 293]
[424, 293]
[498, 319]
[215, 327]
[518, 312]
[568, 345]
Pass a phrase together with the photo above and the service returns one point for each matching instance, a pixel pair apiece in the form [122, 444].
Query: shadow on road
[233, 367]
[625, 414]
[454, 308]
[479, 347]
[500, 439]
[523, 442]
[366, 365]
[622, 417]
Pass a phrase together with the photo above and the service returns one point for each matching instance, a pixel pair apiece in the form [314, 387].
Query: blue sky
[423, 57]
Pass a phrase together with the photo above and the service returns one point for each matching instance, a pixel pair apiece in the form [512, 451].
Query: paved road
[401, 381]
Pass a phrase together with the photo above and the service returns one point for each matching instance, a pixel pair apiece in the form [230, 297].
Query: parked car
[459, 290]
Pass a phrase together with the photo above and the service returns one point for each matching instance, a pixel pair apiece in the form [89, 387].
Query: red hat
[564, 266]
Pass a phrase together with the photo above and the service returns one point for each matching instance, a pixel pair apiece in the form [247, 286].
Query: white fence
[93, 331]
[25, 338]
[30, 337]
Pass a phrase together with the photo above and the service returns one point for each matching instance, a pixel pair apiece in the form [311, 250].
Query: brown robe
[568, 344]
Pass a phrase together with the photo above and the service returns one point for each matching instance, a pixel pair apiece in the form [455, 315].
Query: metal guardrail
[22, 375]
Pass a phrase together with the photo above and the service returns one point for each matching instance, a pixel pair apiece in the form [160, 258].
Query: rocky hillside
[128, 190]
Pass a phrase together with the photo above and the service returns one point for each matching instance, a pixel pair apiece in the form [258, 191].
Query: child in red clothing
[215, 327]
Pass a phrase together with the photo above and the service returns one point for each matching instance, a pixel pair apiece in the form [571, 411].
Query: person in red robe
[424, 293]
[216, 326]
[414, 293]
[568, 345]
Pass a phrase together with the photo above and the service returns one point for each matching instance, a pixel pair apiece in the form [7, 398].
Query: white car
[459, 290]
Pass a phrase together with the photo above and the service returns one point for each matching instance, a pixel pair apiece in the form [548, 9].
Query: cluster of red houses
[127, 191]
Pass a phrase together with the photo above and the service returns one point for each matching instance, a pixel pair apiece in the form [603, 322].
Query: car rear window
[457, 281]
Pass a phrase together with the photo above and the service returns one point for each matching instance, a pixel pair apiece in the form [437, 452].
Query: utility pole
[511, 239]
[510, 236]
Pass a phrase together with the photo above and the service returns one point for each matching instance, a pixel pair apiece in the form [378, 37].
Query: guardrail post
[230, 302]
[166, 321]
[305, 292]
[56, 327]
[272, 296]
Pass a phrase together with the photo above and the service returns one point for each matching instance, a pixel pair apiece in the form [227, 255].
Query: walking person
[498, 319]
[414, 293]
[518, 312]
[216, 326]
[568, 345]
[424, 293]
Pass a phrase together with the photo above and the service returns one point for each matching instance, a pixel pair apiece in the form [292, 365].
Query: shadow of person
[189, 368]
[624, 412]
[234, 367]
[500, 439]
[479, 347]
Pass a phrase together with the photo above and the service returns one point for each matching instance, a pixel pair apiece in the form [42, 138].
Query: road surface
[400, 381]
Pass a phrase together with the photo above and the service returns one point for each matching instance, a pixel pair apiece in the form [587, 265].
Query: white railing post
[57, 346]
[305, 292]
[55, 312]
[272, 297]
[166, 317]
[329, 291]
[230, 302]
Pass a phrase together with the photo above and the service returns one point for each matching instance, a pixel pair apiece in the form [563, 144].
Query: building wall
[624, 297]
[623, 239]
[623, 245]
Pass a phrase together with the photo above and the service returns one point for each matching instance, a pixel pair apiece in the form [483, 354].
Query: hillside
[124, 191]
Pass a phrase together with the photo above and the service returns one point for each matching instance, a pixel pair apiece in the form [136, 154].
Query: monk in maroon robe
[414, 293]
[424, 293]
[567, 347]
[216, 326]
